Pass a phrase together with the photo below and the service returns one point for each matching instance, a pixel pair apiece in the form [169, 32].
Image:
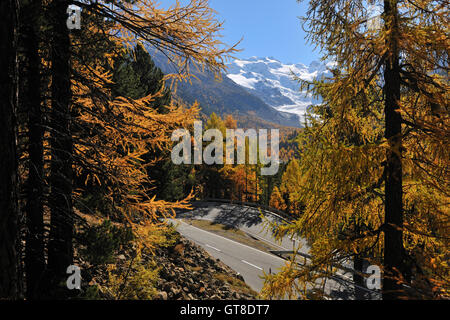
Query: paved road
[247, 219]
[251, 263]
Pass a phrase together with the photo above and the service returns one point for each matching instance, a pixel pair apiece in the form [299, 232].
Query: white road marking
[238, 243]
[251, 264]
[258, 237]
[213, 248]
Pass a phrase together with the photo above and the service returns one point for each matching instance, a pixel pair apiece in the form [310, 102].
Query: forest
[86, 123]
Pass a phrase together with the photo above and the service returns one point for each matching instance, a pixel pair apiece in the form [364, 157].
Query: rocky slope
[177, 269]
[191, 273]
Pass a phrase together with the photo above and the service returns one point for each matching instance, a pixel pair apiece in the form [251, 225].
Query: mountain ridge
[274, 81]
[226, 97]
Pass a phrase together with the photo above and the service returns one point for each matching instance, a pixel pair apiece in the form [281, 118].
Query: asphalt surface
[250, 262]
[247, 219]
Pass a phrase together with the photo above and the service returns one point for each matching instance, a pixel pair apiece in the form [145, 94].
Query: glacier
[275, 82]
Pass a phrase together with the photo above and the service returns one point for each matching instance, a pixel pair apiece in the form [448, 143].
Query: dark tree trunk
[256, 184]
[10, 279]
[34, 250]
[358, 279]
[393, 235]
[60, 248]
[269, 189]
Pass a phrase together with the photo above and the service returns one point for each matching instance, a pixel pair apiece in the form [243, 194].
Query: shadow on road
[229, 215]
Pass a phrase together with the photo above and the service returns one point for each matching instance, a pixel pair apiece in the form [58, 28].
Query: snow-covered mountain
[225, 97]
[273, 81]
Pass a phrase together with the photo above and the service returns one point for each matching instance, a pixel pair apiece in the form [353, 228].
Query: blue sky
[269, 28]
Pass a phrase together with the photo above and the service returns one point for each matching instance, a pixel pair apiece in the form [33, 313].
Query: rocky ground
[186, 272]
[190, 273]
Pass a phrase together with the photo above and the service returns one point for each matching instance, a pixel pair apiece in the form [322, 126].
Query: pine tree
[373, 162]
[30, 34]
[10, 284]
[177, 37]
[60, 246]
[136, 76]
[210, 174]
[393, 216]
[80, 128]
[276, 200]
[290, 187]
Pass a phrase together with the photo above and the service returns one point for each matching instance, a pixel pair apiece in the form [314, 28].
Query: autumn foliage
[394, 76]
